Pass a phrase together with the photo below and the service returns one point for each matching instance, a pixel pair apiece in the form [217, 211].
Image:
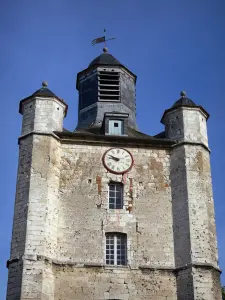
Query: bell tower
[106, 211]
[105, 86]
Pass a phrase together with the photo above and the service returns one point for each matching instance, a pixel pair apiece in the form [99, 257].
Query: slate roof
[104, 59]
[45, 93]
[184, 101]
[134, 137]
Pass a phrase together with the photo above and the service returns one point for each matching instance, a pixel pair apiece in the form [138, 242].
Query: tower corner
[43, 112]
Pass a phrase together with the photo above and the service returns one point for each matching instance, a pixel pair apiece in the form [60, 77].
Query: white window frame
[112, 253]
[121, 126]
[116, 184]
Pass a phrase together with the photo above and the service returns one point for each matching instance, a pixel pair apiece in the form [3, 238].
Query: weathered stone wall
[200, 205]
[193, 208]
[43, 197]
[42, 115]
[62, 216]
[206, 284]
[84, 217]
[36, 215]
[22, 198]
[186, 124]
[20, 219]
[170, 224]
[98, 283]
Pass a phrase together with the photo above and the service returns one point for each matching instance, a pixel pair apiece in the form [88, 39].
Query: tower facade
[108, 212]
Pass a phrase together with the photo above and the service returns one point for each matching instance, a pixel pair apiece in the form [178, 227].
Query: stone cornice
[51, 134]
[184, 143]
[72, 138]
[69, 263]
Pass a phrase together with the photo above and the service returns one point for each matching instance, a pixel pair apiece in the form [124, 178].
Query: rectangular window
[116, 127]
[116, 249]
[115, 196]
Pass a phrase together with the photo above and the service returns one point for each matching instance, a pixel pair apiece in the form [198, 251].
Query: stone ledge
[157, 268]
[99, 265]
[183, 143]
[38, 133]
[198, 265]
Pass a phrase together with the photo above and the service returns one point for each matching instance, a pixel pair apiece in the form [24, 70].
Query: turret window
[116, 249]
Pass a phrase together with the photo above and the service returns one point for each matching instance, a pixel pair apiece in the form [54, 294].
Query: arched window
[115, 195]
[116, 248]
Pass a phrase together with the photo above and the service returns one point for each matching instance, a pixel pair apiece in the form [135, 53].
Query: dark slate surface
[134, 136]
[88, 93]
[184, 101]
[128, 94]
[130, 132]
[44, 92]
[161, 135]
[104, 59]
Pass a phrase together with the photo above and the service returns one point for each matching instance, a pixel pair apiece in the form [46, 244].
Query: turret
[36, 204]
[195, 244]
[186, 122]
[43, 111]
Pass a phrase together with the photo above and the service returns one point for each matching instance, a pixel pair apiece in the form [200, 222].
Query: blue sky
[170, 45]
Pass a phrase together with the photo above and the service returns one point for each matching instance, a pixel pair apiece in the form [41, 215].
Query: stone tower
[108, 212]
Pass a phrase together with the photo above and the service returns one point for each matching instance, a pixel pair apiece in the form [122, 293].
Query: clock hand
[115, 158]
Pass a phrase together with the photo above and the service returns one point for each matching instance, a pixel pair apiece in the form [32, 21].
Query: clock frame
[114, 171]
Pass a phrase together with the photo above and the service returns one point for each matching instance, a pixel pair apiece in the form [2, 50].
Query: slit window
[115, 196]
[116, 249]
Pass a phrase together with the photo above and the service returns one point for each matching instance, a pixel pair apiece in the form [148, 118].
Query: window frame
[116, 185]
[111, 249]
[121, 126]
[115, 116]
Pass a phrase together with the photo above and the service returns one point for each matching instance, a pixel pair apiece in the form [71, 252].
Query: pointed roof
[184, 100]
[43, 92]
[105, 59]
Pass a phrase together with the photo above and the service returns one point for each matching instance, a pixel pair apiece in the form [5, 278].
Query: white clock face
[118, 160]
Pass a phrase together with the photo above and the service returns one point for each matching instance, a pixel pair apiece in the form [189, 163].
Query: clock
[118, 160]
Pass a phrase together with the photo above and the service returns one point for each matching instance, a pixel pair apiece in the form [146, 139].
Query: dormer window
[116, 127]
[115, 123]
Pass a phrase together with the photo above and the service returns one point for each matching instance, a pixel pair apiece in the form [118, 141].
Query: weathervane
[101, 40]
